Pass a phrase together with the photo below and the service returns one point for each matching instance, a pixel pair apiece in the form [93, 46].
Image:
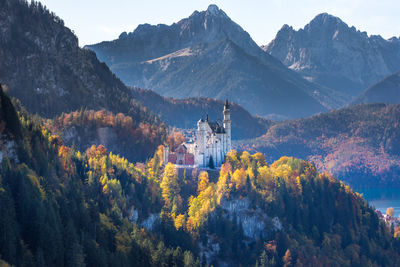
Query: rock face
[385, 91]
[43, 66]
[209, 55]
[255, 223]
[329, 52]
[251, 219]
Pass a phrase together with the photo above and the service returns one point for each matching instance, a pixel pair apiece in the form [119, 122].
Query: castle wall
[207, 144]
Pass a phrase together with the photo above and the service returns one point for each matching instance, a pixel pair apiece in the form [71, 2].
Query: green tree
[211, 164]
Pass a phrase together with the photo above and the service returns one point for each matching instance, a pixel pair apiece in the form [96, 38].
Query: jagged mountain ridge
[329, 52]
[209, 55]
[386, 90]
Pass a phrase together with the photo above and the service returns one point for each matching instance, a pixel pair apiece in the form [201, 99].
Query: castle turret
[227, 126]
[166, 154]
[201, 140]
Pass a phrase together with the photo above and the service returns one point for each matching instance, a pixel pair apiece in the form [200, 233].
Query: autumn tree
[390, 212]
[287, 259]
[169, 185]
[203, 181]
[239, 178]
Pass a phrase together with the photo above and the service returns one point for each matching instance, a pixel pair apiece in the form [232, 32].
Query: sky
[94, 21]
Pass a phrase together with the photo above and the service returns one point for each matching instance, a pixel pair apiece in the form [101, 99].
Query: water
[383, 198]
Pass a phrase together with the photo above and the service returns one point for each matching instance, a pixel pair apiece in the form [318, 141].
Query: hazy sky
[98, 20]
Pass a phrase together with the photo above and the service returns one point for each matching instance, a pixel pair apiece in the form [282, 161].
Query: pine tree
[211, 164]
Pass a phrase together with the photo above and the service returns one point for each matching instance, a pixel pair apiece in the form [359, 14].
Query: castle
[211, 144]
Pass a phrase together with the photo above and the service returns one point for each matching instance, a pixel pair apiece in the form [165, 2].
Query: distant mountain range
[360, 144]
[386, 90]
[209, 55]
[329, 52]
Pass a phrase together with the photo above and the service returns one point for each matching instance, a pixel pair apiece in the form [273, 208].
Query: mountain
[185, 113]
[329, 52]
[43, 66]
[209, 55]
[386, 90]
[61, 207]
[360, 144]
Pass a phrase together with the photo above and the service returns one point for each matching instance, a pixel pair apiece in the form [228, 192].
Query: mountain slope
[386, 90]
[121, 134]
[184, 113]
[360, 144]
[65, 208]
[43, 66]
[329, 52]
[209, 55]
[60, 207]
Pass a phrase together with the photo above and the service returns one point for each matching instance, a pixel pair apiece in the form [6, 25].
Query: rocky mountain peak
[214, 10]
[209, 55]
[331, 53]
[212, 18]
[326, 19]
[328, 25]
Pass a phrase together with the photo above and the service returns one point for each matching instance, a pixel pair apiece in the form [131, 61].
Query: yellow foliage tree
[260, 159]
[390, 212]
[245, 159]
[239, 178]
[169, 184]
[265, 177]
[232, 158]
[203, 181]
[179, 221]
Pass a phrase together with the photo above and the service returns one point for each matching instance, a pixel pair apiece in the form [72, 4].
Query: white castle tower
[212, 143]
[227, 126]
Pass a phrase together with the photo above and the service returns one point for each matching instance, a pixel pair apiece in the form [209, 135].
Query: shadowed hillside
[360, 144]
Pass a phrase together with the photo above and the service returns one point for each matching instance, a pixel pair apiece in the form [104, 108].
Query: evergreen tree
[211, 163]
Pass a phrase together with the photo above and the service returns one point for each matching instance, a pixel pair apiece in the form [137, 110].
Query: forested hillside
[121, 134]
[359, 144]
[63, 207]
[386, 90]
[283, 214]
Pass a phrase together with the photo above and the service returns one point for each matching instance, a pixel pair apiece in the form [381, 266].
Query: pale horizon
[96, 21]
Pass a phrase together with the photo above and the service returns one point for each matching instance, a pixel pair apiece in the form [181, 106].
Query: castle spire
[226, 104]
[227, 127]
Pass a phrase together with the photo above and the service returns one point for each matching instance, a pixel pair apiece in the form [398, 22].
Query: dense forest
[286, 213]
[64, 207]
[121, 134]
[360, 144]
[61, 207]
